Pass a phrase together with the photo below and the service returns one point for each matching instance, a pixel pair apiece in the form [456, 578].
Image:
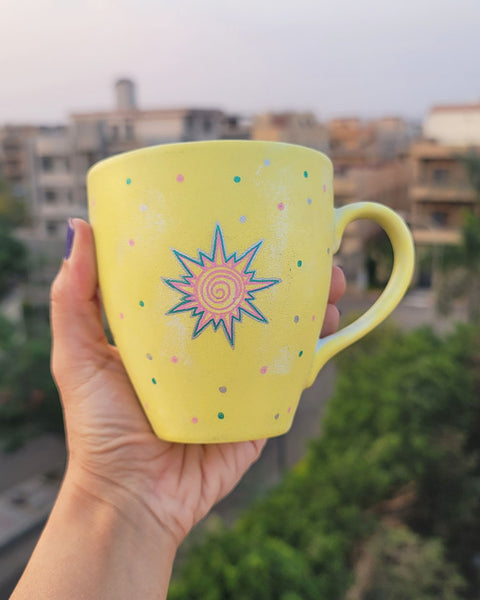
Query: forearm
[93, 549]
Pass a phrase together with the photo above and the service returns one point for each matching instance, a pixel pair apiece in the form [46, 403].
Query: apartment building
[440, 190]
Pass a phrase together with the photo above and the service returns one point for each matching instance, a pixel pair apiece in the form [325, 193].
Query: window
[47, 163]
[207, 125]
[51, 227]
[129, 131]
[440, 176]
[439, 218]
[50, 196]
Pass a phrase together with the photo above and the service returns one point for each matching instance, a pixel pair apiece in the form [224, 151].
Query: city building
[291, 127]
[440, 191]
[370, 165]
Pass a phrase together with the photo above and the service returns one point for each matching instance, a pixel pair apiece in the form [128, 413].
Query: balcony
[56, 179]
[431, 192]
[436, 236]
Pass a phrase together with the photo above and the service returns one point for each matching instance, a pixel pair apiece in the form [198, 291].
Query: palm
[119, 444]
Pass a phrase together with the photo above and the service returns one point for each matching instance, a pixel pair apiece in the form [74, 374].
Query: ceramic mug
[214, 262]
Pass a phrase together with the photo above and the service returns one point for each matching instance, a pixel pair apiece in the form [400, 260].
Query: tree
[406, 566]
[405, 411]
[460, 265]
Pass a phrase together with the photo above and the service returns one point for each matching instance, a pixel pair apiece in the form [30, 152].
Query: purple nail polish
[69, 241]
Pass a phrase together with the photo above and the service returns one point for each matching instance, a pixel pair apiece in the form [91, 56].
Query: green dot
[237, 179]
[154, 381]
[129, 181]
[142, 303]
[299, 263]
[221, 415]
[305, 174]
[300, 353]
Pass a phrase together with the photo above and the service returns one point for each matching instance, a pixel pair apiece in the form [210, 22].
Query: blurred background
[375, 492]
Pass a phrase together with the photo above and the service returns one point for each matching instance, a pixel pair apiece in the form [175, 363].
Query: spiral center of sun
[220, 289]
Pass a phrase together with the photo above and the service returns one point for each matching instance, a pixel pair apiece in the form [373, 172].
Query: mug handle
[403, 265]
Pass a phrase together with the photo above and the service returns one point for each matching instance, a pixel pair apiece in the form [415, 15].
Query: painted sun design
[219, 289]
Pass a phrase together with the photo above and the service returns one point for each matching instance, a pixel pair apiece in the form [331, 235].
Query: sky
[337, 58]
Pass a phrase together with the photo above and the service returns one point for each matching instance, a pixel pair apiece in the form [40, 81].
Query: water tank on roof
[125, 92]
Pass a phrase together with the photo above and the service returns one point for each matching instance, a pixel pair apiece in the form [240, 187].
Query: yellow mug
[214, 262]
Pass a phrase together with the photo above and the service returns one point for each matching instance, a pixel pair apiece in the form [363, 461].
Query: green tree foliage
[406, 566]
[29, 400]
[13, 259]
[12, 210]
[405, 411]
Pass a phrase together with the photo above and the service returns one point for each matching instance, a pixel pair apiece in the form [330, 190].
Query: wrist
[117, 505]
[98, 545]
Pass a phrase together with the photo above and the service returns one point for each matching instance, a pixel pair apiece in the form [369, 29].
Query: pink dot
[289, 409]
[131, 242]
[121, 315]
[147, 405]
[313, 318]
[174, 359]
[194, 420]
[263, 370]
[281, 206]
[180, 178]
[324, 188]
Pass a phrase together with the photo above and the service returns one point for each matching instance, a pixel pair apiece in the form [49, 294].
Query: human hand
[113, 452]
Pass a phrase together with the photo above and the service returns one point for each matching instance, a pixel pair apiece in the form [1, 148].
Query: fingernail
[69, 241]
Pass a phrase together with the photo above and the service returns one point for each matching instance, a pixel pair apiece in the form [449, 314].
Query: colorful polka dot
[143, 207]
[328, 250]
[174, 359]
[276, 416]
[281, 206]
[305, 174]
[263, 370]
[122, 316]
[324, 188]
[296, 319]
[222, 389]
[299, 263]
[180, 178]
[289, 409]
[266, 162]
[237, 179]
[154, 381]
[129, 181]
[221, 415]
[194, 420]
[149, 356]
[243, 219]
[313, 317]
[142, 303]
[131, 242]
[300, 353]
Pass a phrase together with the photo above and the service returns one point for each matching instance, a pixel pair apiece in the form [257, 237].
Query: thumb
[76, 317]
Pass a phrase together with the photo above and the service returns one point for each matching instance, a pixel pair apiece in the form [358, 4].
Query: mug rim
[106, 162]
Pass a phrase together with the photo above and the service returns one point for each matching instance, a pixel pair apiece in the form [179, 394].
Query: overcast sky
[335, 57]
